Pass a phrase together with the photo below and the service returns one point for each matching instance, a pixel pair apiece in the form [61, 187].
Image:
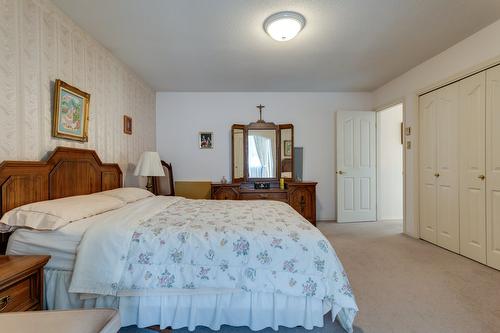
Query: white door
[427, 113]
[447, 189]
[472, 167]
[356, 166]
[493, 167]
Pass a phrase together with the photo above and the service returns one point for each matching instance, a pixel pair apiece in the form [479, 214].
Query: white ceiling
[219, 45]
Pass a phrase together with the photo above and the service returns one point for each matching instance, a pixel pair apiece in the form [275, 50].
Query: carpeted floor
[404, 285]
[407, 285]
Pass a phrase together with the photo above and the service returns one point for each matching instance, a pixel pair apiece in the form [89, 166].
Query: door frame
[381, 108]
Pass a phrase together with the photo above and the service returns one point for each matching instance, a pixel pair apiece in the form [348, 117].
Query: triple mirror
[262, 151]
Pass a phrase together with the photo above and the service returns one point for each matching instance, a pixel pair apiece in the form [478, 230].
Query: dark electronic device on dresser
[262, 154]
[262, 185]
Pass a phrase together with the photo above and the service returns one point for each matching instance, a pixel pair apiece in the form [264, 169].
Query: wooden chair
[164, 185]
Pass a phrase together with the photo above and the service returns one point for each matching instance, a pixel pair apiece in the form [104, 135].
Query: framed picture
[206, 140]
[71, 112]
[127, 125]
[287, 149]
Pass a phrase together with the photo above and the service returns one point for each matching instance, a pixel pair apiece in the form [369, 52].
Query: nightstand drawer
[21, 283]
[21, 296]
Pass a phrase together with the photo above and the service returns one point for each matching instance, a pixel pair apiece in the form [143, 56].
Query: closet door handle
[482, 177]
[436, 175]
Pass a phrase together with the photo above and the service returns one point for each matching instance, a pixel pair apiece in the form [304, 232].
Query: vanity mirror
[262, 151]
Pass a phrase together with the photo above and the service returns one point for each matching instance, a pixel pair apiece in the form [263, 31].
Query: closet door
[447, 168]
[493, 167]
[472, 167]
[427, 114]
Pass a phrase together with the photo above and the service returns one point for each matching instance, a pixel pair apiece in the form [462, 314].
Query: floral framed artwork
[206, 140]
[127, 125]
[71, 112]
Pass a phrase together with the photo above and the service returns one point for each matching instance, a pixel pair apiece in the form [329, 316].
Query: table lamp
[149, 165]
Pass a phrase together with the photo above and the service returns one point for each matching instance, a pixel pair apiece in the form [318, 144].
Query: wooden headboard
[66, 172]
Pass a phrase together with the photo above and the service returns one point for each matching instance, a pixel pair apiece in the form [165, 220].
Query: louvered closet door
[472, 167]
[447, 187]
[427, 113]
[493, 167]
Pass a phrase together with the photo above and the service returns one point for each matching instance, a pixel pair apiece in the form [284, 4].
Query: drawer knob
[4, 301]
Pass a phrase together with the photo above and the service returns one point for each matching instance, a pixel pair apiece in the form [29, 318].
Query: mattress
[62, 244]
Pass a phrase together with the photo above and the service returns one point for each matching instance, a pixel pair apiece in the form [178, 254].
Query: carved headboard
[67, 172]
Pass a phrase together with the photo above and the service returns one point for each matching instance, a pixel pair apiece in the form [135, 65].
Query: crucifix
[260, 107]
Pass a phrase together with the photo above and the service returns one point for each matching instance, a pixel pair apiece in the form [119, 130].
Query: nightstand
[21, 282]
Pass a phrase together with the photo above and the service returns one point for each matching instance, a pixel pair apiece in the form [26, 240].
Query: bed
[176, 262]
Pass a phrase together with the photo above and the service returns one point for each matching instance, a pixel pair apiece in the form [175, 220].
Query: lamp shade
[149, 165]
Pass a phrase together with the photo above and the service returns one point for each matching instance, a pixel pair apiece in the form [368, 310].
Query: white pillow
[53, 214]
[127, 194]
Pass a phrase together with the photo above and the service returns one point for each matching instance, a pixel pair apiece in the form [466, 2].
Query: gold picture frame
[71, 112]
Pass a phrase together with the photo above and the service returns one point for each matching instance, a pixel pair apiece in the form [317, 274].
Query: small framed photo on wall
[206, 140]
[127, 125]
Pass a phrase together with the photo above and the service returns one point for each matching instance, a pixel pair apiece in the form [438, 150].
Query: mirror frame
[285, 127]
[237, 127]
[262, 126]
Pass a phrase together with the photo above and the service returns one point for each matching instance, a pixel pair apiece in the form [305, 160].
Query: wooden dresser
[300, 195]
[21, 283]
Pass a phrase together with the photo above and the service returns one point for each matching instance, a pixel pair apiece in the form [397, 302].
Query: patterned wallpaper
[38, 44]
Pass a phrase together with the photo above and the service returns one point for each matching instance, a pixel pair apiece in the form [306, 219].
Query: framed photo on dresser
[71, 112]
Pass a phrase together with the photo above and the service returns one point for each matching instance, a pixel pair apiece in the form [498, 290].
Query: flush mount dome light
[284, 26]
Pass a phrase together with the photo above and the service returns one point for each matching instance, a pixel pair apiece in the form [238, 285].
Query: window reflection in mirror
[238, 153]
[261, 154]
[286, 153]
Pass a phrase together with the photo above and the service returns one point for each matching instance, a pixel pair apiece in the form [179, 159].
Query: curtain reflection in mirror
[260, 157]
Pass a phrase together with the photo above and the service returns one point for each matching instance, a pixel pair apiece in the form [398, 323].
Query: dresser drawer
[20, 296]
[278, 196]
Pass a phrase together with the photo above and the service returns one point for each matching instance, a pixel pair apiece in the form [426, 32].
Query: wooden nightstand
[21, 282]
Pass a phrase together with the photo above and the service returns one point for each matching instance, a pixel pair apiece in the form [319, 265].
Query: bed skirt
[254, 310]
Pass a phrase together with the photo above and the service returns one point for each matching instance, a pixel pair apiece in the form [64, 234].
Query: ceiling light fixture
[284, 26]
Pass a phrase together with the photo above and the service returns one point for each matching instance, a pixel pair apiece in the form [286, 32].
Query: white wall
[38, 44]
[389, 164]
[180, 116]
[478, 48]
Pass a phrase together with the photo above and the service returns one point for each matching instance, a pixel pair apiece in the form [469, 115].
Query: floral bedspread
[254, 246]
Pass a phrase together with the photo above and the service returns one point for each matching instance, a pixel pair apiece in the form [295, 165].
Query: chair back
[164, 185]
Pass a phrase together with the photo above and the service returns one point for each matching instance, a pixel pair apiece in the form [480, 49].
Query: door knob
[436, 175]
[340, 172]
[482, 177]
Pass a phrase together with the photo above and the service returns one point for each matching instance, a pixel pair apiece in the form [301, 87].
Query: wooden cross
[260, 107]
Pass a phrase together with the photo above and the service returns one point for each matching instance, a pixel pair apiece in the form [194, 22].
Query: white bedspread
[62, 244]
[183, 246]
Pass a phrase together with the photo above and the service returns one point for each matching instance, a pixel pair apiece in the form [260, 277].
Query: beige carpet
[407, 285]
